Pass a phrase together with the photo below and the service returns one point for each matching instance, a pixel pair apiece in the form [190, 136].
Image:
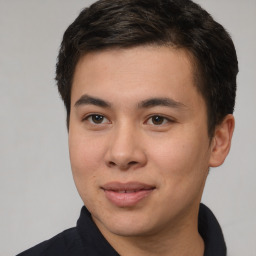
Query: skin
[116, 134]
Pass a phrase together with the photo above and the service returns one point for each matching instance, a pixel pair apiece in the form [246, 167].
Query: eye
[158, 120]
[96, 119]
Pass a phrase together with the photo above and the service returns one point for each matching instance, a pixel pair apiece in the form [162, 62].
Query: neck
[182, 240]
[151, 246]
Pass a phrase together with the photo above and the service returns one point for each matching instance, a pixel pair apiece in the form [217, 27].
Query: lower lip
[127, 199]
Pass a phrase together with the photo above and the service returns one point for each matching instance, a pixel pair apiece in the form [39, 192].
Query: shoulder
[65, 243]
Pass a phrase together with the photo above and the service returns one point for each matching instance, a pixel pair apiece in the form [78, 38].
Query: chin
[129, 230]
[128, 224]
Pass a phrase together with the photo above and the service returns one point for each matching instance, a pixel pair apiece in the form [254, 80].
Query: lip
[127, 194]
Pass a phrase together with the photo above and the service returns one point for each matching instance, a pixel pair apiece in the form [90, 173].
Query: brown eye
[97, 119]
[157, 120]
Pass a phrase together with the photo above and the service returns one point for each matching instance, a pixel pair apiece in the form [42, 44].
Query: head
[177, 24]
[147, 85]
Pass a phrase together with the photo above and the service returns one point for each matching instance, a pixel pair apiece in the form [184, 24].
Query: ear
[221, 141]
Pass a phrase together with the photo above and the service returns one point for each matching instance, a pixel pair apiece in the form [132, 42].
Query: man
[149, 88]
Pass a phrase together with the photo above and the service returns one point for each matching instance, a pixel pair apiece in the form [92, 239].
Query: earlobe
[222, 141]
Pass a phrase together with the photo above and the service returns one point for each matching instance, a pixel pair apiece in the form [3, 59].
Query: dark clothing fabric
[86, 240]
[211, 233]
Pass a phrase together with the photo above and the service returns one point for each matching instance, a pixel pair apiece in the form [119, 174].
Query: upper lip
[129, 186]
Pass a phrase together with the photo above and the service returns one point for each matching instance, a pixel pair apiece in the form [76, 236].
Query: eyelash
[88, 117]
[163, 120]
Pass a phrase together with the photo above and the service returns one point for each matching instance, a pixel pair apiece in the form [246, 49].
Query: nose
[125, 149]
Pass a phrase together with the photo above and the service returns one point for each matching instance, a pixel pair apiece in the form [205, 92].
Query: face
[138, 139]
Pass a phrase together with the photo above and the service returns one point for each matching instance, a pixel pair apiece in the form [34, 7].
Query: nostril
[111, 163]
[122, 165]
[132, 163]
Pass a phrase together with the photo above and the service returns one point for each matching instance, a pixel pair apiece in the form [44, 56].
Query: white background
[37, 196]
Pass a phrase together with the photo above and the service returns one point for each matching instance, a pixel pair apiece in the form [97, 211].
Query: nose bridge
[124, 149]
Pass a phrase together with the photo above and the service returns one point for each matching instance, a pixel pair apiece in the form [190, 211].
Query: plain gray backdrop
[37, 196]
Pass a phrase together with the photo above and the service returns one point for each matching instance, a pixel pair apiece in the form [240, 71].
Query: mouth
[127, 194]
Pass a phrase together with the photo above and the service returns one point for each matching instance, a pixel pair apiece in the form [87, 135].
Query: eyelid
[106, 120]
[90, 115]
[167, 119]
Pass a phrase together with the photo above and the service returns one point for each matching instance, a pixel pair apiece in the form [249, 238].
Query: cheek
[172, 155]
[182, 171]
[85, 155]
[180, 159]
[85, 162]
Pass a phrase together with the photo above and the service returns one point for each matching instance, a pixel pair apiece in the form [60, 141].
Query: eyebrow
[152, 102]
[89, 100]
[166, 102]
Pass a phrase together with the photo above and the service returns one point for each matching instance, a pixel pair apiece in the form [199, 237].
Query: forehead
[144, 70]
